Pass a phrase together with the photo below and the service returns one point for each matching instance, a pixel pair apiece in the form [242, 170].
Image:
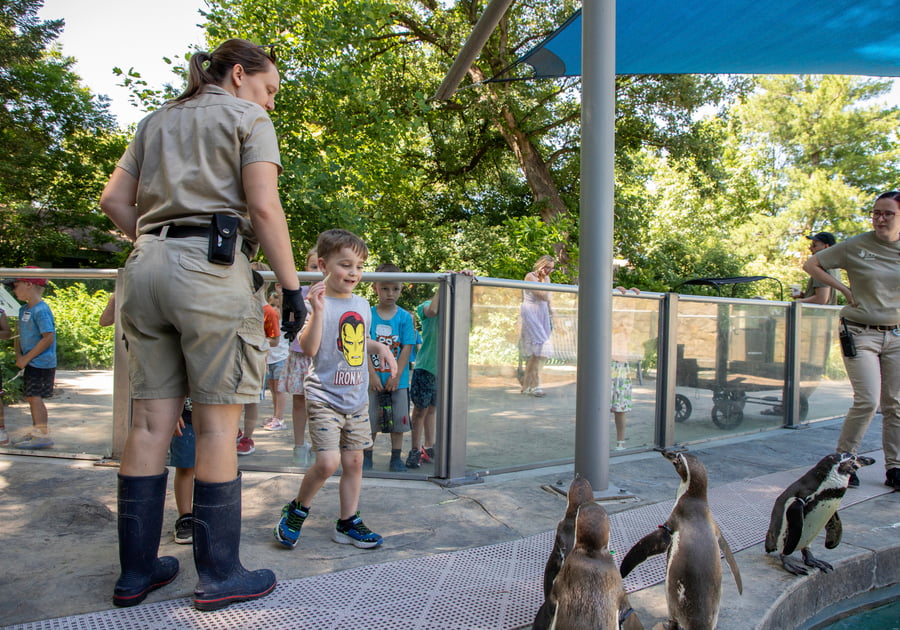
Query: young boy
[36, 354]
[389, 395]
[337, 384]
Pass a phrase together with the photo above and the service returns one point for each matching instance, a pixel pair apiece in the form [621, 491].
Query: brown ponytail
[212, 68]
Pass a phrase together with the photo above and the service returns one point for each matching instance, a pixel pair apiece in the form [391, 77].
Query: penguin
[580, 492]
[807, 506]
[588, 593]
[692, 542]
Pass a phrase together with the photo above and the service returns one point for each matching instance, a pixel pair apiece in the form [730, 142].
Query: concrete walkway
[59, 551]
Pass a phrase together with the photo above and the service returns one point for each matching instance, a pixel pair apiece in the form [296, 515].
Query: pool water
[885, 617]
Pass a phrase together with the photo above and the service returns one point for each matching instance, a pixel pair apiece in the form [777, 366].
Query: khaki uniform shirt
[812, 284]
[188, 158]
[873, 268]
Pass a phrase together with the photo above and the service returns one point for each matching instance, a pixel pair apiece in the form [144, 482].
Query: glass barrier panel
[825, 390]
[634, 352]
[80, 409]
[509, 427]
[730, 369]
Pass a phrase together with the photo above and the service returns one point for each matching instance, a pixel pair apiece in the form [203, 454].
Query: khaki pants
[875, 375]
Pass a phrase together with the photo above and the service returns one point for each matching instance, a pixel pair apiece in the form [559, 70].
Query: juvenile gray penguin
[693, 543]
[807, 506]
[580, 492]
[588, 593]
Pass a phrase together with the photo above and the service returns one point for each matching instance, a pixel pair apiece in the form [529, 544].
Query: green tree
[812, 153]
[365, 149]
[58, 144]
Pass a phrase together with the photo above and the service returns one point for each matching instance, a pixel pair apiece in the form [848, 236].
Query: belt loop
[164, 231]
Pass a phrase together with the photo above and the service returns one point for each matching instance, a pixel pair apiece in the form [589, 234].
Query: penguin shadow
[807, 506]
[693, 544]
[583, 589]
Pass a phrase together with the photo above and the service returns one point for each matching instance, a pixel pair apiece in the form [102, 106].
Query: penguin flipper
[544, 618]
[652, 544]
[794, 528]
[834, 531]
[729, 558]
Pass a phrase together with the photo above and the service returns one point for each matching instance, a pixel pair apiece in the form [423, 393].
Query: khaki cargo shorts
[191, 325]
[331, 430]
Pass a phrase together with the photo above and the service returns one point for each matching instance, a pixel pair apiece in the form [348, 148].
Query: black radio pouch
[848, 346]
[223, 236]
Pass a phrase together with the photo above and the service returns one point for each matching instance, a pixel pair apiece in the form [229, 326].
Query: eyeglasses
[271, 51]
[887, 214]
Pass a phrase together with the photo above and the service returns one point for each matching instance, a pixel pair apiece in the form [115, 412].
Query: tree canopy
[57, 146]
[715, 175]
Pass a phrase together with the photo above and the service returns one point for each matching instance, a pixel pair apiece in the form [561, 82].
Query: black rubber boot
[217, 538]
[141, 503]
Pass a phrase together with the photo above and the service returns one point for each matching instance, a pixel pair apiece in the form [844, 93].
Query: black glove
[293, 312]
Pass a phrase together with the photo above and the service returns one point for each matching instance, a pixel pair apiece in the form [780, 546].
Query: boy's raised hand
[316, 296]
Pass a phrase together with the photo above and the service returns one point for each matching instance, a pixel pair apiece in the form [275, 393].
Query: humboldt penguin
[580, 492]
[588, 593]
[693, 543]
[807, 506]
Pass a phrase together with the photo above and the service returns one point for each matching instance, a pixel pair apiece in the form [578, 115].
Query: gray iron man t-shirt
[339, 375]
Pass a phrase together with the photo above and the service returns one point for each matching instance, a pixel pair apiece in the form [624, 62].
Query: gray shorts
[187, 320]
[398, 409]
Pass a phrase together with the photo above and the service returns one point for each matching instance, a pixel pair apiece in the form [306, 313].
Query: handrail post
[791, 402]
[666, 371]
[453, 379]
[121, 384]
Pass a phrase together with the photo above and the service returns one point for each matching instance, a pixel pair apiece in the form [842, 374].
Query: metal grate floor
[486, 588]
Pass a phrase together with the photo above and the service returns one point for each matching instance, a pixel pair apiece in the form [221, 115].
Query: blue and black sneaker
[287, 532]
[356, 533]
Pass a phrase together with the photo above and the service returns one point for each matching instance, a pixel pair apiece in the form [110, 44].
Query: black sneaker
[854, 481]
[184, 529]
[892, 478]
[414, 458]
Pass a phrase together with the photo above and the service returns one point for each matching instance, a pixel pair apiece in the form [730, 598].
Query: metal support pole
[453, 380]
[121, 383]
[598, 109]
[666, 370]
[791, 397]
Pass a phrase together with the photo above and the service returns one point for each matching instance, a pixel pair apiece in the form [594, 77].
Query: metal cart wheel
[728, 409]
[683, 408]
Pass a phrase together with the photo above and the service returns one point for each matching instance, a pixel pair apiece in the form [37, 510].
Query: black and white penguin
[588, 593]
[807, 506]
[580, 492]
[693, 543]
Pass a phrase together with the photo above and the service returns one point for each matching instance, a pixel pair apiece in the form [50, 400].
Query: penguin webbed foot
[812, 561]
[792, 566]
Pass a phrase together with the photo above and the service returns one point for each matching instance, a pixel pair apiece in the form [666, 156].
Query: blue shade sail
[737, 37]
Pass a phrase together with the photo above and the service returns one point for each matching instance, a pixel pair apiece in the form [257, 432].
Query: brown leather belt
[872, 326]
[186, 231]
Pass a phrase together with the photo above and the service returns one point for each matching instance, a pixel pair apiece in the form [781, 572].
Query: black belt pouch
[848, 346]
[223, 235]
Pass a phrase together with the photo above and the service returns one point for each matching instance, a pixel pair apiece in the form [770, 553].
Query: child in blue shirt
[36, 355]
[389, 395]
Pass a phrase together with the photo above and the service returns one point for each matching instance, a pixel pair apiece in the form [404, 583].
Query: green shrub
[81, 342]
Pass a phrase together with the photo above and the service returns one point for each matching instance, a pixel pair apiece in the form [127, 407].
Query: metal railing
[704, 368]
